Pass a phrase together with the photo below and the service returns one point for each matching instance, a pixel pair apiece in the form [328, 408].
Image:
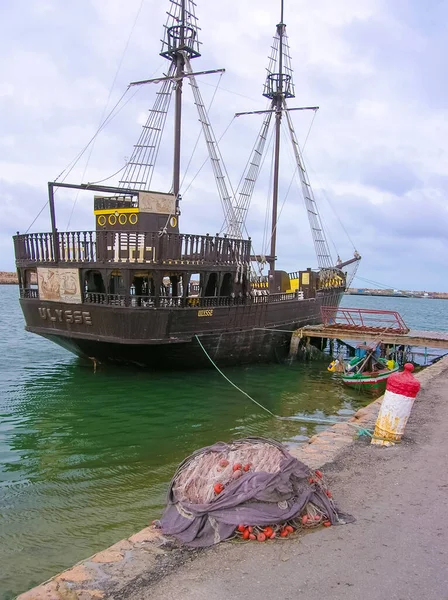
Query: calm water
[85, 458]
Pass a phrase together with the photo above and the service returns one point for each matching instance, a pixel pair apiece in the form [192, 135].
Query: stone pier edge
[143, 557]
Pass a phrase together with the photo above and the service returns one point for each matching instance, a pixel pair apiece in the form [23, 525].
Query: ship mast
[277, 102]
[180, 62]
[278, 88]
[181, 39]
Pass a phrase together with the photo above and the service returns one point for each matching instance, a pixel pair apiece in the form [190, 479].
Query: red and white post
[401, 390]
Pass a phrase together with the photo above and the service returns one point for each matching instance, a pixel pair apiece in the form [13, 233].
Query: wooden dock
[423, 339]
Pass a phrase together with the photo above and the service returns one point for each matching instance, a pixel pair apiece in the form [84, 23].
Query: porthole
[133, 218]
[173, 222]
[112, 219]
[122, 219]
[101, 220]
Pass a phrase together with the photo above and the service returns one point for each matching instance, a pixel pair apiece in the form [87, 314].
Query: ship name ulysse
[205, 313]
[65, 316]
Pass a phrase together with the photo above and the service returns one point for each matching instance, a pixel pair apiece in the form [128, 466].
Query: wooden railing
[129, 247]
[135, 301]
[363, 319]
[29, 293]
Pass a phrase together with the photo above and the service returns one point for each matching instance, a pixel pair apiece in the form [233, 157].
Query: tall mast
[180, 43]
[278, 86]
[178, 104]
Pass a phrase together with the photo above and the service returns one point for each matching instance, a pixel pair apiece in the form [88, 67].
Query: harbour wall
[7, 277]
[147, 556]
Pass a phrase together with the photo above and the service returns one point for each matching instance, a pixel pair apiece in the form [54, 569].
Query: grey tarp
[257, 498]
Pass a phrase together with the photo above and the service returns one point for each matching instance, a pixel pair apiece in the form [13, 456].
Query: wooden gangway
[414, 337]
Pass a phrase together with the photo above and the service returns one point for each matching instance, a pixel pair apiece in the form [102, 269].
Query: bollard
[401, 390]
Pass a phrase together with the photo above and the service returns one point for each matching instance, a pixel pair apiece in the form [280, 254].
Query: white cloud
[377, 145]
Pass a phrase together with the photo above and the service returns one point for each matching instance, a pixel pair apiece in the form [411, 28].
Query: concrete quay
[397, 548]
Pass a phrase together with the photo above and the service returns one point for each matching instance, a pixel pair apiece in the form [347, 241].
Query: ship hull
[166, 338]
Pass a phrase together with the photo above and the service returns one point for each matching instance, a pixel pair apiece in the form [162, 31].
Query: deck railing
[363, 319]
[143, 301]
[129, 247]
[152, 301]
[29, 293]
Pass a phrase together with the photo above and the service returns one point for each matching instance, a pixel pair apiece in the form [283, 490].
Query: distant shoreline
[8, 278]
[419, 296]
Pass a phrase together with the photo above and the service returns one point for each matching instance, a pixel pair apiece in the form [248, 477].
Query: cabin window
[116, 283]
[176, 286]
[142, 290]
[93, 282]
[194, 287]
[226, 285]
[142, 285]
[31, 279]
[212, 285]
[28, 285]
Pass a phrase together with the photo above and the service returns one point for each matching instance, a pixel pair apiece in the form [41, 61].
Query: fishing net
[251, 488]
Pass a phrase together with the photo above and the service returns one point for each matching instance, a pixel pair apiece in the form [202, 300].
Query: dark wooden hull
[165, 338]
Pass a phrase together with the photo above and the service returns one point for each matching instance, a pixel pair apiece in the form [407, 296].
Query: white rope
[92, 146]
[293, 418]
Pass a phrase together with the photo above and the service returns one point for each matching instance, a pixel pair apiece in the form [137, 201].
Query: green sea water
[86, 458]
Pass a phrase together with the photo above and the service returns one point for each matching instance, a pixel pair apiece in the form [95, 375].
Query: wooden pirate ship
[138, 290]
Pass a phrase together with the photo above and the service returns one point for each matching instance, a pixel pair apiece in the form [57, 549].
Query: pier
[423, 339]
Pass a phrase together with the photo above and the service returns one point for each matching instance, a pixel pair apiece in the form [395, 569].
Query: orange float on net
[218, 487]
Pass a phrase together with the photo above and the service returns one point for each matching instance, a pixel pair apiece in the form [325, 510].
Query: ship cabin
[136, 257]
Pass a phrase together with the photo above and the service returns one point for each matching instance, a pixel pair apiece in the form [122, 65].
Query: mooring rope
[293, 418]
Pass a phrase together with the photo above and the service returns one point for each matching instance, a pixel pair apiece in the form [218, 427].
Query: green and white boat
[366, 372]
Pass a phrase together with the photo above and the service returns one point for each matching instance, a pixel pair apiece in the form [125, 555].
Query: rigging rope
[325, 195]
[37, 216]
[107, 120]
[200, 132]
[254, 100]
[208, 158]
[326, 229]
[105, 107]
[110, 176]
[381, 285]
[308, 134]
[264, 244]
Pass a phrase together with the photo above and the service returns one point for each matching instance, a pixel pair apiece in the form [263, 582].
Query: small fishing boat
[364, 372]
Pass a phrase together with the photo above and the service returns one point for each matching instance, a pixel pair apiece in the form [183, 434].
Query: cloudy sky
[376, 153]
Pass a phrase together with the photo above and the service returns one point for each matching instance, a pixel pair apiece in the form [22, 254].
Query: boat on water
[137, 290]
[368, 372]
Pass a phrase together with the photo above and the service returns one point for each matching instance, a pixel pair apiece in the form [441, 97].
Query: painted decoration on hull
[59, 285]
